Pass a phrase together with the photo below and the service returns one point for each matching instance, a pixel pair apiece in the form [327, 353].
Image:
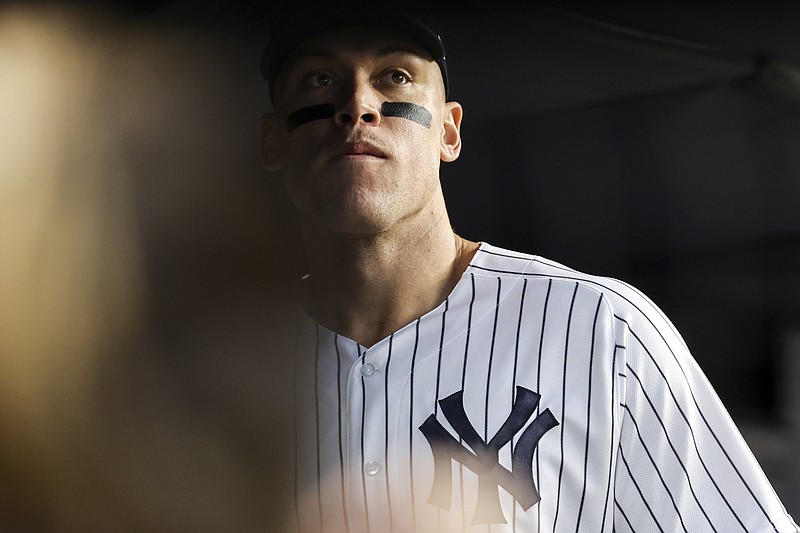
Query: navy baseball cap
[291, 30]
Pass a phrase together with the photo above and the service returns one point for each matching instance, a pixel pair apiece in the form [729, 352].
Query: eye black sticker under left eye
[413, 112]
[307, 114]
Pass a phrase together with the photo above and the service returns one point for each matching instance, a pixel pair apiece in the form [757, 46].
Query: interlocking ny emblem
[483, 458]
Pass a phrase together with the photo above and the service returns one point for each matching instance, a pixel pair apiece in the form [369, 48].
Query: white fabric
[642, 442]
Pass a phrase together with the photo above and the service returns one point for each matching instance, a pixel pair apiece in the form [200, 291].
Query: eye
[319, 79]
[397, 77]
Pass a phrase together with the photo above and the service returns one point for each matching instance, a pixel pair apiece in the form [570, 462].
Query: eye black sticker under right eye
[307, 114]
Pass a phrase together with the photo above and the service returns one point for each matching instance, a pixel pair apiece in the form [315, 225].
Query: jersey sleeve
[682, 464]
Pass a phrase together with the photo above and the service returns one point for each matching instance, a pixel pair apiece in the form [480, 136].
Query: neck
[368, 286]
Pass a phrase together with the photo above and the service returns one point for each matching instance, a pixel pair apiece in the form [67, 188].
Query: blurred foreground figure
[135, 390]
[446, 385]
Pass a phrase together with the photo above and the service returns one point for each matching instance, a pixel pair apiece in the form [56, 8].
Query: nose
[360, 104]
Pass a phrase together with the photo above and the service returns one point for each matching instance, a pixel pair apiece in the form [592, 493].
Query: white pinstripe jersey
[642, 443]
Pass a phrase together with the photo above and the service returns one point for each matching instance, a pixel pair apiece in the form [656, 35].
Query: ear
[451, 132]
[271, 153]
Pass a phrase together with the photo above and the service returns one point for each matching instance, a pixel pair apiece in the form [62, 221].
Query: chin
[347, 218]
[356, 227]
[367, 213]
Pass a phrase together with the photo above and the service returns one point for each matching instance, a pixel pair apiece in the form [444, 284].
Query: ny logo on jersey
[483, 457]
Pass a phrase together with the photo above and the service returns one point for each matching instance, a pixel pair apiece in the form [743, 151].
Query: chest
[490, 410]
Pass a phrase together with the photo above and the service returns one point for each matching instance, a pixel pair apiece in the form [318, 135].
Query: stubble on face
[362, 193]
[362, 177]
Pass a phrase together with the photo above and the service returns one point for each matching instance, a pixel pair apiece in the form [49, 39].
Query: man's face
[359, 171]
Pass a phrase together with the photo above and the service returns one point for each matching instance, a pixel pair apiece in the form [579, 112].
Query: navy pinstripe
[563, 403]
[588, 416]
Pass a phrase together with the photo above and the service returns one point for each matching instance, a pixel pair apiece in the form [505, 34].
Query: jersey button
[368, 370]
[372, 468]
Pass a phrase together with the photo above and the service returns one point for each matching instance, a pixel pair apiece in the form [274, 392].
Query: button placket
[368, 370]
[372, 468]
[371, 377]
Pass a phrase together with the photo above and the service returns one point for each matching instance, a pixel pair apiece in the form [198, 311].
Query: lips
[359, 148]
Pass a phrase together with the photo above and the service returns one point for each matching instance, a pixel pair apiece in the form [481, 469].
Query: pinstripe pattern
[386, 382]
[588, 417]
[362, 462]
[642, 443]
[538, 387]
[563, 405]
[316, 400]
[463, 384]
[411, 427]
[514, 374]
[339, 426]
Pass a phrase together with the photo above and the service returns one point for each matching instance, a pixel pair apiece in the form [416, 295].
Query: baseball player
[445, 385]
